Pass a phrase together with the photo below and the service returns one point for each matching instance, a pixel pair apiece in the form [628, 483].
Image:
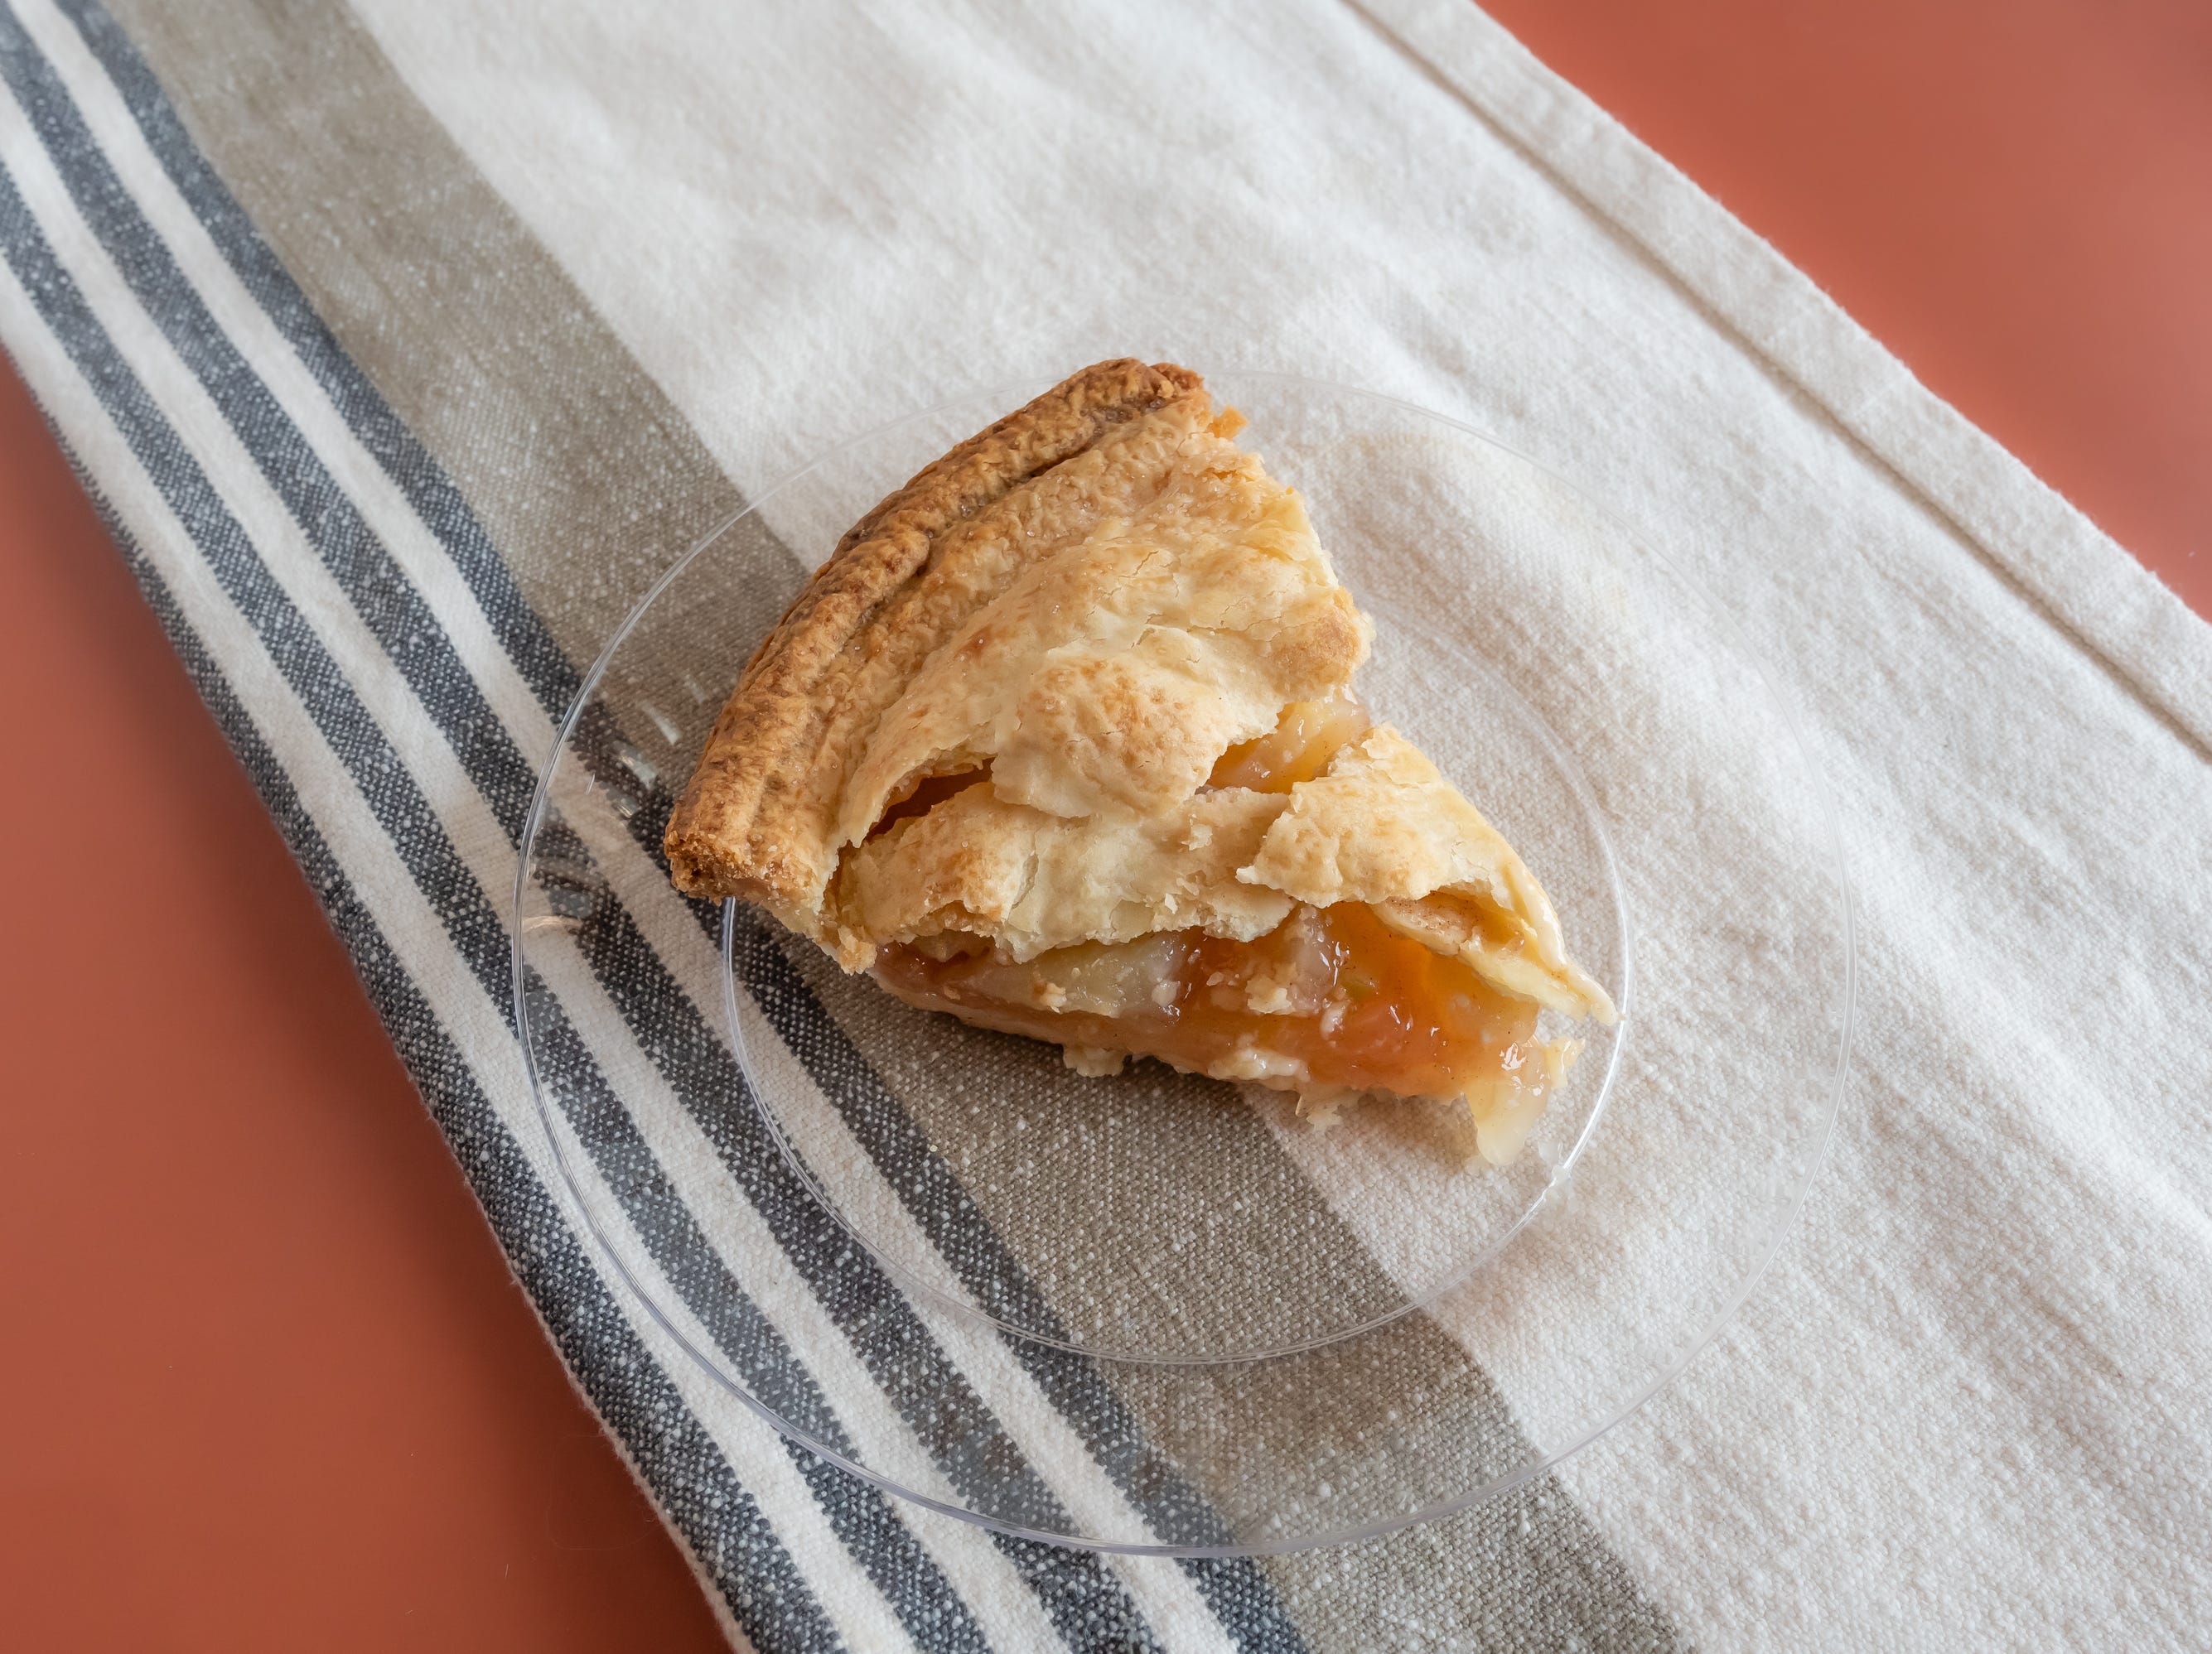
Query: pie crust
[1084, 681]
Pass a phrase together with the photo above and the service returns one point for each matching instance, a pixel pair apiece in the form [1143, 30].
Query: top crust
[756, 820]
[1085, 606]
[1031, 881]
[1095, 597]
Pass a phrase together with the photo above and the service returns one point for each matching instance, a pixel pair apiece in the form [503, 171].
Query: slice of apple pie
[1062, 740]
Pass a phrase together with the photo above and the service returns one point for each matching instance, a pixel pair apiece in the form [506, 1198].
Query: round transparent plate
[1152, 1313]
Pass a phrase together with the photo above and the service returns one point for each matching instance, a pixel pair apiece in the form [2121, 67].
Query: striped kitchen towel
[404, 344]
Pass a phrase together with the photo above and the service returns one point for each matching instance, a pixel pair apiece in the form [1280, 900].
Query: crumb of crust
[1322, 1108]
[1093, 1062]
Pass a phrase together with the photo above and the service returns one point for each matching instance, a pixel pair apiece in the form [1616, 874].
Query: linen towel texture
[404, 345]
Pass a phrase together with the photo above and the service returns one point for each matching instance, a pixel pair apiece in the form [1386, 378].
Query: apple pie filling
[1330, 1003]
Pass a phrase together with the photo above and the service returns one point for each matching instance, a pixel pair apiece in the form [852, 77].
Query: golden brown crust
[751, 823]
[1380, 822]
[1112, 669]
[1031, 881]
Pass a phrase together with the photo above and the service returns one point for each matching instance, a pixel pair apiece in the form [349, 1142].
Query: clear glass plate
[1151, 1312]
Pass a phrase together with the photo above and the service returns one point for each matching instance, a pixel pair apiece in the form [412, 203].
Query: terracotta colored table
[269, 1385]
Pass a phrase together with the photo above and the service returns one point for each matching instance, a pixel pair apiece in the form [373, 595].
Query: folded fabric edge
[2085, 584]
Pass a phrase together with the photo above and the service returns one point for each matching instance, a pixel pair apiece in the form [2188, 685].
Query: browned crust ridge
[746, 825]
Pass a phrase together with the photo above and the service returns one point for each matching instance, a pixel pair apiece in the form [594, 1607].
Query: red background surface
[268, 1384]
